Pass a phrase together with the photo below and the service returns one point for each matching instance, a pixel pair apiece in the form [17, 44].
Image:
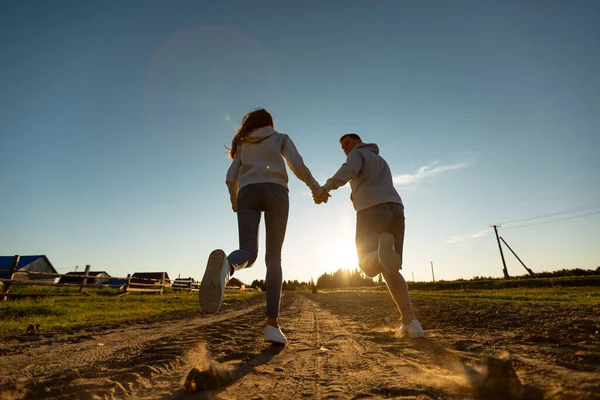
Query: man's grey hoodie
[369, 175]
[260, 159]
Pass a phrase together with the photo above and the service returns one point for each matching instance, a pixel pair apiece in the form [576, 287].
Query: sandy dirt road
[341, 345]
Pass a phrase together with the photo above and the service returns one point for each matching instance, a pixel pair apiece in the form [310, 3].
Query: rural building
[29, 268]
[117, 283]
[77, 277]
[188, 284]
[150, 278]
[236, 283]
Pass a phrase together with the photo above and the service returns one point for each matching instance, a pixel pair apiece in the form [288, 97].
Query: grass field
[65, 310]
[571, 295]
[567, 281]
[578, 295]
[65, 313]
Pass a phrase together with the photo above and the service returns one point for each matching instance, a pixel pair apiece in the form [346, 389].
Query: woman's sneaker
[274, 335]
[212, 287]
[413, 330]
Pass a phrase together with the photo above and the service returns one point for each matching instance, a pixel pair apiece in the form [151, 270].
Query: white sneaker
[212, 287]
[274, 335]
[388, 258]
[413, 330]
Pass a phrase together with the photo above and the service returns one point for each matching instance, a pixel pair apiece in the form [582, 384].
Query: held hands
[321, 197]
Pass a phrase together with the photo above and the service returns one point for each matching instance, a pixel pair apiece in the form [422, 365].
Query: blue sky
[114, 116]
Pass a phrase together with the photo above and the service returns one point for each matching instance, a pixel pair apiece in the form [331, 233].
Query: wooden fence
[49, 279]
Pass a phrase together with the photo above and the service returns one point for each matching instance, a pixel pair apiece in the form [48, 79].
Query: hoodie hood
[370, 178]
[367, 146]
[259, 134]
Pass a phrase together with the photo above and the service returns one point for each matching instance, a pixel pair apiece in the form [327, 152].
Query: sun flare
[341, 254]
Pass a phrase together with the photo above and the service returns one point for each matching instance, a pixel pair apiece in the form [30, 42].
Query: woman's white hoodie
[261, 158]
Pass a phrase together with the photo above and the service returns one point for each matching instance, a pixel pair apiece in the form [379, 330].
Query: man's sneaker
[413, 330]
[388, 258]
[212, 287]
[274, 335]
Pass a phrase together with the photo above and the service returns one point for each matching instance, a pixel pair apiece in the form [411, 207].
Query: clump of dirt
[205, 373]
[500, 380]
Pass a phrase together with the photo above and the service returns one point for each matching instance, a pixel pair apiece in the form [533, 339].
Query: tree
[259, 284]
[343, 278]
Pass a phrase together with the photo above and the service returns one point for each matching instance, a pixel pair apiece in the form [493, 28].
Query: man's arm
[347, 171]
[232, 180]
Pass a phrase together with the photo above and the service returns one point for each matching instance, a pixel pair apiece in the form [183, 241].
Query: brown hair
[253, 120]
[351, 135]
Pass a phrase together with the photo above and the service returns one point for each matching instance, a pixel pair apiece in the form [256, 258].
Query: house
[188, 284]
[37, 268]
[150, 278]
[94, 278]
[236, 283]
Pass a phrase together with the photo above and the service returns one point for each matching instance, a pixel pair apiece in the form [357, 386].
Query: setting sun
[341, 254]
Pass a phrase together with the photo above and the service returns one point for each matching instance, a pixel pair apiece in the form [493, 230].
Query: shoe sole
[389, 259]
[408, 335]
[211, 290]
[275, 342]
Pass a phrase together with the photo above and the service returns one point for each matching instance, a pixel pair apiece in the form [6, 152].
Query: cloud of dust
[454, 376]
[493, 378]
[205, 373]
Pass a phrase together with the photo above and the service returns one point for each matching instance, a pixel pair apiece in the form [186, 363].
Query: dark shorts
[370, 223]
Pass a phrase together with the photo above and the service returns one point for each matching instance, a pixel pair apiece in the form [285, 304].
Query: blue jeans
[273, 200]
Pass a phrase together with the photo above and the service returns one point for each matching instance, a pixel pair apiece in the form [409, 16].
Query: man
[379, 220]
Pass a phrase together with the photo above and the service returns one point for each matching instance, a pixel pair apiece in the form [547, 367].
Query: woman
[257, 182]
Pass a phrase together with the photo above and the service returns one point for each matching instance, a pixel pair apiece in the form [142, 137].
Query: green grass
[568, 281]
[58, 291]
[74, 312]
[577, 295]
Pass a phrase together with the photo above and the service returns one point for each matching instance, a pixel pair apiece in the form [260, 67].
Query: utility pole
[413, 276]
[432, 275]
[501, 254]
[515, 254]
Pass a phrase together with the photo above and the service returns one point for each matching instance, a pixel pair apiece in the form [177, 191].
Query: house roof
[150, 275]
[235, 282]
[90, 273]
[79, 276]
[6, 262]
[185, 279]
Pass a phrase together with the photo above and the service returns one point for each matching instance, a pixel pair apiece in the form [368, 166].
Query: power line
[579, 209]
[554, 220]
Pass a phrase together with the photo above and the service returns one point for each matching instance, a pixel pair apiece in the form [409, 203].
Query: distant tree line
[344, 278]
[561, 273]
[287, 285]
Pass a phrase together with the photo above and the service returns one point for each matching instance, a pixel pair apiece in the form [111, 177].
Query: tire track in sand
[325, 358]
